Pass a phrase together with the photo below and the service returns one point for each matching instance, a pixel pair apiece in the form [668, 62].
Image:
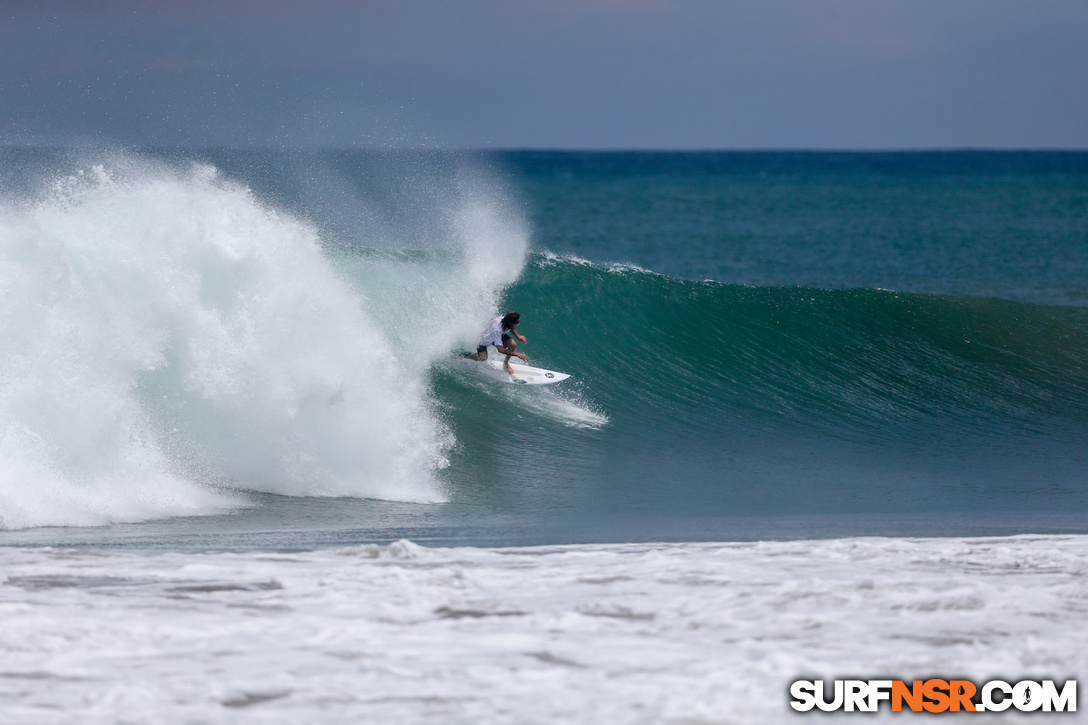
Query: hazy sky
[799, 74]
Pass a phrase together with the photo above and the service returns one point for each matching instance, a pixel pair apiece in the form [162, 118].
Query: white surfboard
[523, 374]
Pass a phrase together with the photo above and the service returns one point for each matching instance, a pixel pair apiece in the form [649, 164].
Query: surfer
[501, 332]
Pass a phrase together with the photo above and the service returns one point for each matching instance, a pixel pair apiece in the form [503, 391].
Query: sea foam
[622, 633]
[170, 339]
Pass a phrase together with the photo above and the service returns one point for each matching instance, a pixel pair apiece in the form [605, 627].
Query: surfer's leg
[480, 355]
[511, 349]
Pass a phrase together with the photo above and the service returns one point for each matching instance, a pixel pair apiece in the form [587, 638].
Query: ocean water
[241, 460]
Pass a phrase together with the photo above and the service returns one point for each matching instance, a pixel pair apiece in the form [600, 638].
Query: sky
[554, 74]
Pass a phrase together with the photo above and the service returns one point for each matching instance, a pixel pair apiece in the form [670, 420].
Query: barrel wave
[188, 336]
[725, 398]
[851, 362]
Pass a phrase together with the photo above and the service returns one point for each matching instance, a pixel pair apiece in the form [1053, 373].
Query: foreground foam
[578, 634]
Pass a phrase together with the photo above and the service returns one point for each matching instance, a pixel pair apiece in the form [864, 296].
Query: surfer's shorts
[505, 343]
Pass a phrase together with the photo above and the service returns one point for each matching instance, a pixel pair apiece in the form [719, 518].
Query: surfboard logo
[549, 375]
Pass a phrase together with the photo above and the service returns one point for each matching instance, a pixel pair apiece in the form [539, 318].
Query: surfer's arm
[513, 346]
[508, 352]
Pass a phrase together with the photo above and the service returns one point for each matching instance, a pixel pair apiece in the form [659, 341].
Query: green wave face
[732, 399]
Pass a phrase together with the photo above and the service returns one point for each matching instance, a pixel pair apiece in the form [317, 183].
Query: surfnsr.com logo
[934, 695]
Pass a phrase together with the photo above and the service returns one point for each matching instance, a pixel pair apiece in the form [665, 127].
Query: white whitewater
[169, 340]
[648, 633]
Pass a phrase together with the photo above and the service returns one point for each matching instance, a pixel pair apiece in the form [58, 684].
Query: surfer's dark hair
[510, 320]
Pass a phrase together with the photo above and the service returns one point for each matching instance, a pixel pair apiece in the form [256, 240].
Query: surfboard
[523, 374]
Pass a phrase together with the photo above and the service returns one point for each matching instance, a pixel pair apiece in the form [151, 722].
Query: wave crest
[170, 339]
